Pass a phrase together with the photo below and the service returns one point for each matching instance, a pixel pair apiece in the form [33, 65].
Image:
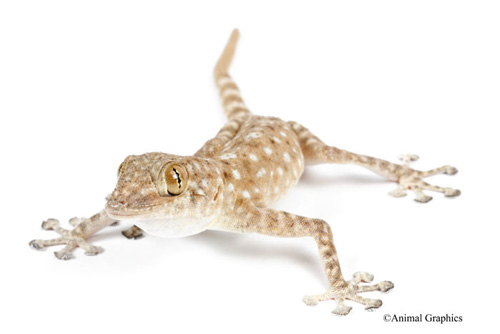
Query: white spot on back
[282, 134]
[230, 187]
[236, 174]
[277, 140]
[268, 150]
[246, 194]
[253, 157]
[261, 172]
[286, 156]
[280, 171]
[228, 156]
[253, 135]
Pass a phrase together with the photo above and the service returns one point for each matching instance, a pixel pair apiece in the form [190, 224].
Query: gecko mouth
[117, 214]
[117, 210]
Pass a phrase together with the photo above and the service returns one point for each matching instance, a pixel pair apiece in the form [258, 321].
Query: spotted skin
[230, 184]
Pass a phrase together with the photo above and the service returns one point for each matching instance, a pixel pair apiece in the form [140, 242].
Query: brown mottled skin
[230, 184]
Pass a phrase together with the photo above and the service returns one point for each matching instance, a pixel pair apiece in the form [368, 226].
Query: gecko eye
[173, 180]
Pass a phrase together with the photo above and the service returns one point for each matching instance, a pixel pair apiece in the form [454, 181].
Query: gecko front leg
[84, 228]
[248, 218]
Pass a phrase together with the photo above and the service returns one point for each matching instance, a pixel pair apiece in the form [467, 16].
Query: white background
[84, 84]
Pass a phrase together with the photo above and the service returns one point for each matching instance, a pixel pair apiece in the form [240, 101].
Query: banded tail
[229, 92]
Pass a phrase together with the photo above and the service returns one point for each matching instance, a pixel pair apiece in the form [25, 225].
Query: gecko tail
[224, 62]
[229, 92]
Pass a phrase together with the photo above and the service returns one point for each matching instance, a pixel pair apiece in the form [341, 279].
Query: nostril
[122, 202]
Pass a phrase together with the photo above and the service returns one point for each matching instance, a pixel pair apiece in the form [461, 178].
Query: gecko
[230, 184]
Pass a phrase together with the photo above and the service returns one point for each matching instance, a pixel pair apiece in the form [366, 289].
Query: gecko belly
[173, 227]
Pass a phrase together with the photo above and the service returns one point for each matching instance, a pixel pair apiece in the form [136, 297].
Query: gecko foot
[350, 292]
[72, 239]
[412, 180]
[133, 233]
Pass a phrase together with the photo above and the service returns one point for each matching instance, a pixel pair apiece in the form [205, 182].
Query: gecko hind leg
[351, 293]
[316, 152]
[84, 228]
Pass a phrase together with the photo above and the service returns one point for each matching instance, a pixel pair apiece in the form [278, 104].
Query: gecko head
[166, 194]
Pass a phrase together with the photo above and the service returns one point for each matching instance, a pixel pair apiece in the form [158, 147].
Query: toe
[398, 192]
[49, 224]
[36, 244]
[421, 197]
[75, 221]
[450, 170]
[94, 250]
[452, 192]
[342, 309]
[372, 304]
[386, 286]
[133, 233]
[364, 277]
[63, 255]
[310, 300]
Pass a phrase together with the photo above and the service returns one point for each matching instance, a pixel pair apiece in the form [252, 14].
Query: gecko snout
[114, 204]
[115, 208]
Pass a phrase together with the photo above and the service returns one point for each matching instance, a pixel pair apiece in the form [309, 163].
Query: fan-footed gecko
[230, 184]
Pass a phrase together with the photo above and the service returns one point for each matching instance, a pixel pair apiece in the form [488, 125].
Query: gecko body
[230, 184]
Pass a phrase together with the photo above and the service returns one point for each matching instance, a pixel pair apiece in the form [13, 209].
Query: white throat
[174, 227]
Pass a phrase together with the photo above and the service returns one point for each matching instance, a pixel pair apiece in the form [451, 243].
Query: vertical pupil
[177, 177]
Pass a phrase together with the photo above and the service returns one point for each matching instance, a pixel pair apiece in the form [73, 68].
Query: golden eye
[173, 180]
